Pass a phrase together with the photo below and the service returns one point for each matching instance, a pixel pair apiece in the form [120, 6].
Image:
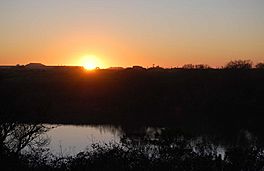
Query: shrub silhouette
[188, 66]
[198, 66]
[239, 64]
[260, 66]
[14, 137]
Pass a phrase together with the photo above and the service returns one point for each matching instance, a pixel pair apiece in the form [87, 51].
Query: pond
[71, 139]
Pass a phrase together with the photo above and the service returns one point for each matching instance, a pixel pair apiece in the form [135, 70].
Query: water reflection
[71, 139]
[79, 147]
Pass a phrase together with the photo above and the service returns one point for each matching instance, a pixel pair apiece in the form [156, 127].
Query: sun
[89, 66]
[90, 62]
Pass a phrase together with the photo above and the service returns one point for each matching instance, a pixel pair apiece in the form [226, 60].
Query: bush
[239, 64]
[198, 66]
[260, 66]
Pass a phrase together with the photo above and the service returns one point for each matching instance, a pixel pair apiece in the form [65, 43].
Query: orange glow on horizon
[90, 62]
[61, 34]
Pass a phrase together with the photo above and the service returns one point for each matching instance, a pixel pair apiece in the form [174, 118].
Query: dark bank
[192, 113]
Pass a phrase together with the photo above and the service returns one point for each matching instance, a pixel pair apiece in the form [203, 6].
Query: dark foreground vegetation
[148, 149]
[196, 98]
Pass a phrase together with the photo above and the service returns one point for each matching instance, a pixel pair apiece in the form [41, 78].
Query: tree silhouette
[188, 66]
[14, 137]
[198, 66]
[239, 64]
[260, 65]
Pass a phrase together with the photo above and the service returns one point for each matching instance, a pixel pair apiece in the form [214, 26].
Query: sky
[124, 33]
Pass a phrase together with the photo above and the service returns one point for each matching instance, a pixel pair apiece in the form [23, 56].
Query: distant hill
[35, 66]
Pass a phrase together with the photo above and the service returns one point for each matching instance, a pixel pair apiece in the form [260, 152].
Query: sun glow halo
[90, 62]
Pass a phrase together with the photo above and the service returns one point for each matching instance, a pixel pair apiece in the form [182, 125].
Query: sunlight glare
[90, 62]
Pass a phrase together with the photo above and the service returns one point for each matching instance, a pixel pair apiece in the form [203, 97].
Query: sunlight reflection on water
[68, 140]
[71, 139]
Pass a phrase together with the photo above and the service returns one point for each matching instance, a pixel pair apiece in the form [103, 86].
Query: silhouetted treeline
[235, 64]
[182, 96]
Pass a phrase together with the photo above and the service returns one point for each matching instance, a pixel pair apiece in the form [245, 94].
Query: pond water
[71, 139]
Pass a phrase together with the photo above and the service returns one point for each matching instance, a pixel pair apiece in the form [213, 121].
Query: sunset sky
[131, 32]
